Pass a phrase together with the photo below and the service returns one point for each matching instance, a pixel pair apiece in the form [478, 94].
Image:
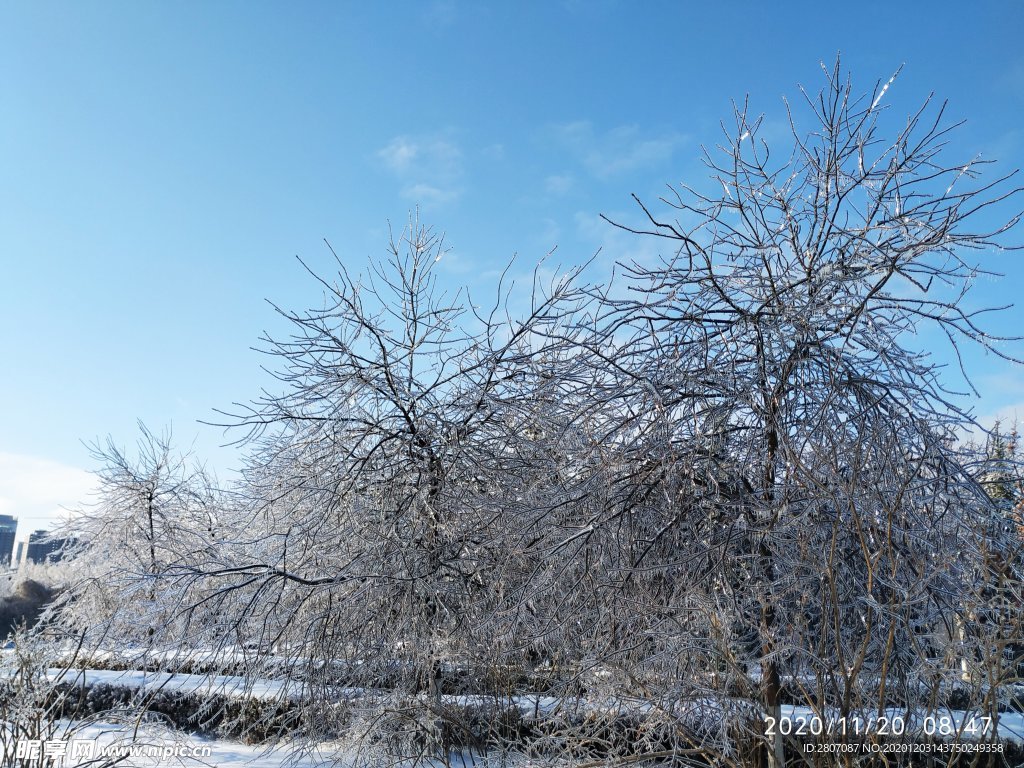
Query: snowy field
[942, 723]
[156, 745]
[228, 685]
[171, 748]
[196, 750]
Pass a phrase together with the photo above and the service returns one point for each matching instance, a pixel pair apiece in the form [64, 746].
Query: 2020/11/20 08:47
[881, 725]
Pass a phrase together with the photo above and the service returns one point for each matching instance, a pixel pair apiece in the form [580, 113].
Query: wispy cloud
[619, 150]
[1009, 416]
[558, 184]
[549, 233]
[428, 194]
[400, 154]
[615, 245]
[39, 491]
[429, 169]
[494, 151]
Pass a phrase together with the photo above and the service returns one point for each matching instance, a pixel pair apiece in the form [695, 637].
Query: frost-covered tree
[1001, 475]
[791, 517]
[156, 511]
[670, 504]
[378, 550]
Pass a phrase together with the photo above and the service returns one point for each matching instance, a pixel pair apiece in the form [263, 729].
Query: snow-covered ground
[196, 750]
[171, 748]
[236, 685]
[229, 685]
[158, 746]
[943, 723]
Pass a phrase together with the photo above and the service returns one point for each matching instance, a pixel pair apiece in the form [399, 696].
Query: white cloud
[493, 151]
[39, 491]
[428, 194]
[399, 154]
[558, 184]
[429, 168]
[549, 234]
[615, 245]
[619, 150]
[1008, 416]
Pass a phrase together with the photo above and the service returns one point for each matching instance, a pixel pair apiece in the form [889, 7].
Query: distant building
[43, 547]
[19, 554]
[8, 527]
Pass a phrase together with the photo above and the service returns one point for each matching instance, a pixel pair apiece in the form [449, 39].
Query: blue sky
[161, 165]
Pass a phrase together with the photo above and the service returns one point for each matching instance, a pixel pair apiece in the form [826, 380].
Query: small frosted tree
[155, 512]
